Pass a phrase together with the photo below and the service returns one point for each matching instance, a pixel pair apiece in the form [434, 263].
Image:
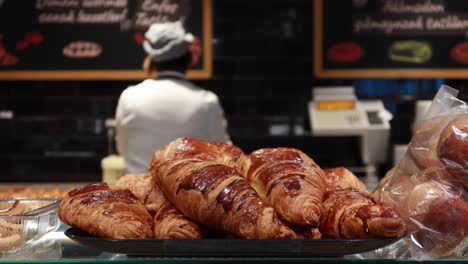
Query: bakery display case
[57, 247]
[24, 221]
[203, 201]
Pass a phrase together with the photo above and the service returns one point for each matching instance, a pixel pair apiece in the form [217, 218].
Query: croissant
[108, 213]
[218, 197]
[307, 233]
[169, 222]
[350, 213]
[140, 185]
[192, 148]
[340, 177]
[290, 181]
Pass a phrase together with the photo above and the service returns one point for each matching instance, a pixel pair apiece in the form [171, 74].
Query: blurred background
[262, 72]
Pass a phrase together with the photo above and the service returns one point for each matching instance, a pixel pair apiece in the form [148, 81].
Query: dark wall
[262, 73]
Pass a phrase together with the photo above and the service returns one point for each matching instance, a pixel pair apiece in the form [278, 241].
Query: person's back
[156, 111]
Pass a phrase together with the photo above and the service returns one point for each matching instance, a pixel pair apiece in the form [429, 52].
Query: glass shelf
[56, 247]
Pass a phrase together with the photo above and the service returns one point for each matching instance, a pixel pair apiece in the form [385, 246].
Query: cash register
[336, 111]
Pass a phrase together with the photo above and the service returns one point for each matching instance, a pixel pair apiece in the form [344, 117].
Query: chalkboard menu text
[92, 39]
[391, 38]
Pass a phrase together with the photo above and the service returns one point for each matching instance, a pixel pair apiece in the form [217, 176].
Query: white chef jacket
[153, 113]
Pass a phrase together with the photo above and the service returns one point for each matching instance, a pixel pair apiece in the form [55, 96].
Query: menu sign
[391, 38]
[91, 39]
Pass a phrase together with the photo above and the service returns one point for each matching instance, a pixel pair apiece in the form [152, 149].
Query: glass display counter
[56, 247]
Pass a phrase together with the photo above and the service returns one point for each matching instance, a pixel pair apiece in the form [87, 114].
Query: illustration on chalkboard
[6, 59]
[35, 38]
[410, 51]
[31, 38]
[139, 38]
[346, 52]
[59, 39]
[460, 52]
[22, 44]
[82, 49]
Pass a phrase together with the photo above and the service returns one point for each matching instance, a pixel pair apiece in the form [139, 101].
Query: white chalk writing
[449, 22]
[57, 17]
[103, 17]
[446, 24]
[387, 26]
[104, 3]
[109, 12]
[145, 20]
[403, 6]
[81, 11]
[164, 6]
[158, 11]
[40, 4]
[421, 17]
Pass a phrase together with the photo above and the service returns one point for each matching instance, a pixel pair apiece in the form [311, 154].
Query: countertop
[56, 247]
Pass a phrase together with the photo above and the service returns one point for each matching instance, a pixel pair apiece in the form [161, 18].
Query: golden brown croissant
[143, 187]
[307, 233]
[169, 222]
[290, 181]
[350, 213]
[342, 178]
[108, 213]
[192, 148]
[218, 197]
[140, 185]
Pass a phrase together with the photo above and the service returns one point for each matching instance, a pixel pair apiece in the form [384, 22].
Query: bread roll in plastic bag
[428, 187]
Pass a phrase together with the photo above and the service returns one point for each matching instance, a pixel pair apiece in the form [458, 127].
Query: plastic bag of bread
[428, 187]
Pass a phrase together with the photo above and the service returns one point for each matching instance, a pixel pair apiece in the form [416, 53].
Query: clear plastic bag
[429, 185]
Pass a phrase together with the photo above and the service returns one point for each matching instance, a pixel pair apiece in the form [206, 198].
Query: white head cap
[167, 41]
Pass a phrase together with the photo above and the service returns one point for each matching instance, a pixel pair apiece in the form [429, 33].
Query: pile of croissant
[197, 189]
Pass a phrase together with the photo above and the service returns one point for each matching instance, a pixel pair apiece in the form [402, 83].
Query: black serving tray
[229, 247]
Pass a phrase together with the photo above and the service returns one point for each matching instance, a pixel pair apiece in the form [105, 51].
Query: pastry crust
[141, 186]
[290, 181]
[342, 178]
[192, 148]
[350, 213]
[108, 213]
[169, 222]
[218, 197]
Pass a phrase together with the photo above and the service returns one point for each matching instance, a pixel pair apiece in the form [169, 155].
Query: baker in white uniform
[154, 112]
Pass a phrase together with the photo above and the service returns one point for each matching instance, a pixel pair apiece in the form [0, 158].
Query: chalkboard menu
[391, 38]
[92, 39]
